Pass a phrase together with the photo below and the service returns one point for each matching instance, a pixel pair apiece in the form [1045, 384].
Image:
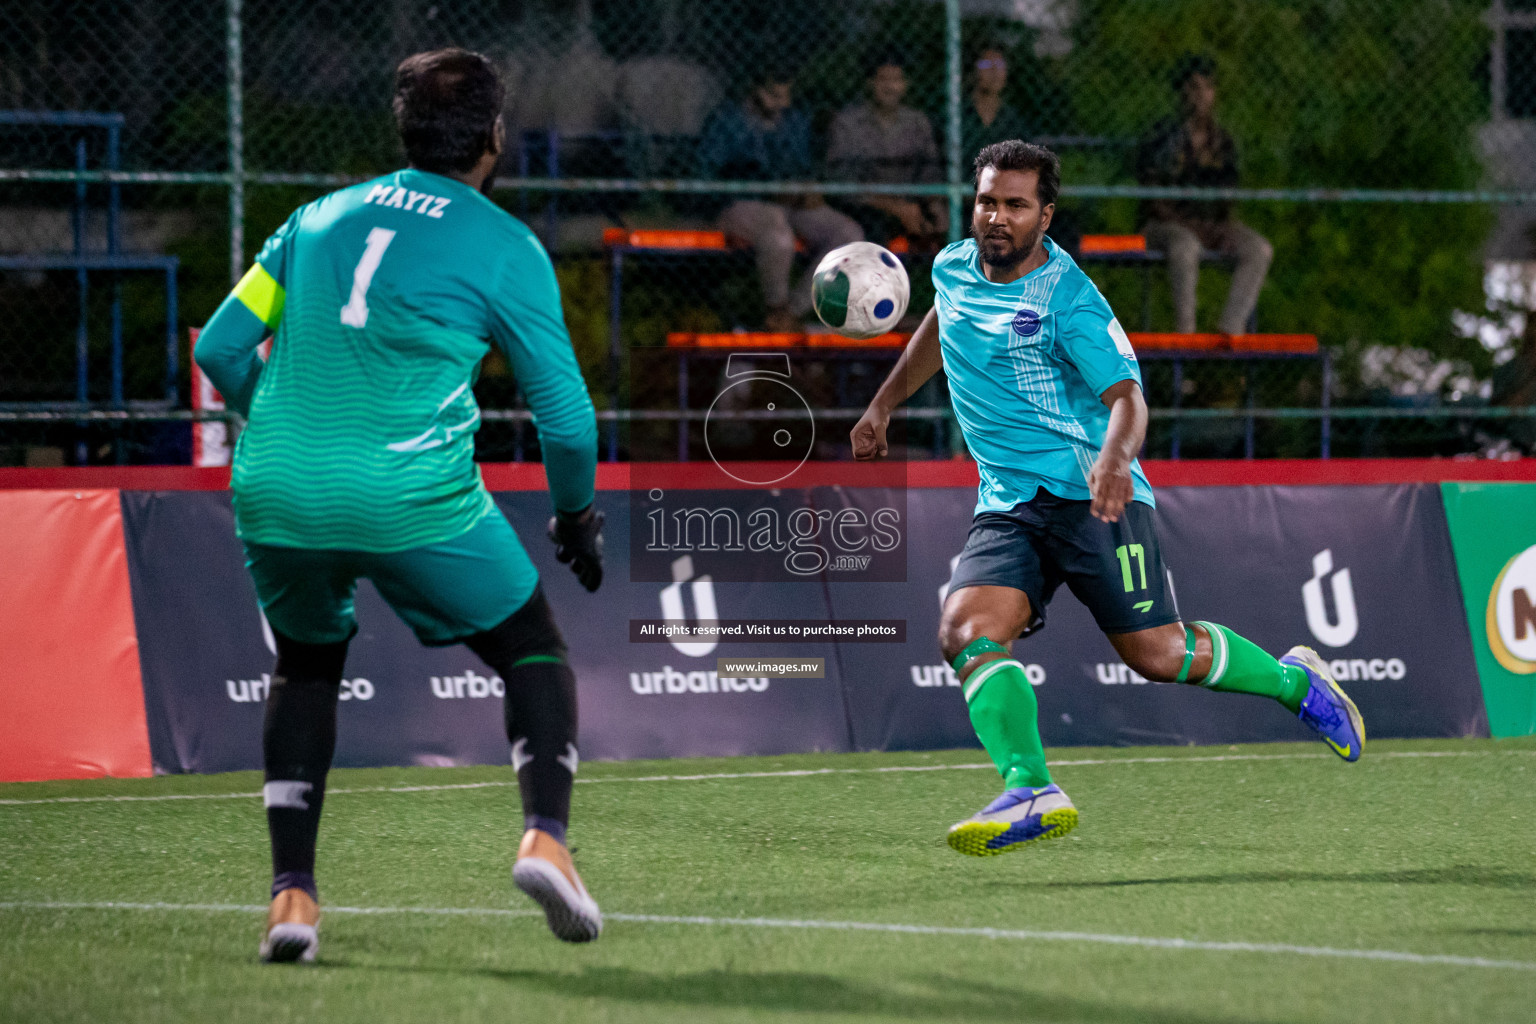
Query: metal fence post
[82, 283]
[948, 428]
[1325, 440]
[615, 344]
[952, 95]
[114, 210]
[172, 341]
[83, 311]
[236, 144]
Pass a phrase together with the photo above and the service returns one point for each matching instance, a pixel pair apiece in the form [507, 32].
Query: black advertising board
[1363, 574]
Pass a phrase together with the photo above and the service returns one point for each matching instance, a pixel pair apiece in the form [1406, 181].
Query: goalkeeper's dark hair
[446, 105]
[1018, 155]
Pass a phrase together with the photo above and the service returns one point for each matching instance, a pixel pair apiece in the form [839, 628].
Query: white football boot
[545, 872]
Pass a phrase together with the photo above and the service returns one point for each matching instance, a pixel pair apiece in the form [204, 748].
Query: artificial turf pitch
[1269, 883]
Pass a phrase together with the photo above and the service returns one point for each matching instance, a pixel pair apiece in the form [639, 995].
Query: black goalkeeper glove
[578, 540]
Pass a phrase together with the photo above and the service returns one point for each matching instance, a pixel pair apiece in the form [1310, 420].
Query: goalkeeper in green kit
[357, 462]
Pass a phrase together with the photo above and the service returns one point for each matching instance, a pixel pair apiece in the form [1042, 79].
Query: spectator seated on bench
[1195, 150]
[1132, 250]
[883, 141]
[763, 138]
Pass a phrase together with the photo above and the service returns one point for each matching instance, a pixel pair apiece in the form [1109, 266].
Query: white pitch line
[1014, 934]
[785, 774]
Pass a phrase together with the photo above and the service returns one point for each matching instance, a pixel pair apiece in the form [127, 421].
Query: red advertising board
[73, 704]
[131, 637]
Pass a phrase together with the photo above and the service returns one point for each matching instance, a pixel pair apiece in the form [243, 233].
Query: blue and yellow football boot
[1017, 817]
[1326, 707]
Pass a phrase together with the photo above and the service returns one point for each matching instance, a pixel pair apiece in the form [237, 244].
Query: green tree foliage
[1321, 93]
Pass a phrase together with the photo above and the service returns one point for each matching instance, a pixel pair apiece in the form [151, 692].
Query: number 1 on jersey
[355, 312]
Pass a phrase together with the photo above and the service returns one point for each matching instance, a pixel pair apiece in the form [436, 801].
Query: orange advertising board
[71, 699]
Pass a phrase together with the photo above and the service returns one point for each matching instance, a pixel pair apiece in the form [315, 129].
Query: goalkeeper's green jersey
[383, 299]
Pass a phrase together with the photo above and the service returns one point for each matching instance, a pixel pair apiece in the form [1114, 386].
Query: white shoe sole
[571, 913]
[290, 942]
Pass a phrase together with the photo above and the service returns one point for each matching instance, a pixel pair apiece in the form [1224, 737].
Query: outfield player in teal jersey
[1047, 391]
[357, 462]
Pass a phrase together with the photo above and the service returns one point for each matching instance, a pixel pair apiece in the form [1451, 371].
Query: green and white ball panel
[860, 290]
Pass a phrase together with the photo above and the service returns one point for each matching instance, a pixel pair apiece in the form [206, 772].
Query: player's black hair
[1018, 155]
[446, 105]
[879, 58]
[988, 46]
[772, 72]
[1190, 65]
[973, 54]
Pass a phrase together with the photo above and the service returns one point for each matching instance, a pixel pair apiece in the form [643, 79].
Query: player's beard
[993, 255]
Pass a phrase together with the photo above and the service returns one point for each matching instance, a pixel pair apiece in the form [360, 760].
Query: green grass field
[1204, 884]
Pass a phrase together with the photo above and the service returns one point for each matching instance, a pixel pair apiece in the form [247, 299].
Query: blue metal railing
[113, 260]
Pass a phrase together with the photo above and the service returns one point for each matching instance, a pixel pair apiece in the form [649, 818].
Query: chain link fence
[1378, 146]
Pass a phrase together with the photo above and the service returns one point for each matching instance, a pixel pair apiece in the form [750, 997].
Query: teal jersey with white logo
[1027, 362]
[383, 299]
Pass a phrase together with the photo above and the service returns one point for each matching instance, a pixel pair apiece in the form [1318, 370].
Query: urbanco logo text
[254, 691]
[1333, 633]
[702, 590]
[471, 685]
[1341, 626]
[942, 675]
[671, 681]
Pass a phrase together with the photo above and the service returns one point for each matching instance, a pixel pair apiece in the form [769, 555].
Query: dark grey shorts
[1115, 569]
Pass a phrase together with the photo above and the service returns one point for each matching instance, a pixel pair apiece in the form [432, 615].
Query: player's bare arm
[1036, 524]
[919, 361]
[1110, 482]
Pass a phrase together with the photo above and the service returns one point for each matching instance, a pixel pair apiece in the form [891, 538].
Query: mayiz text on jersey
[400, 198]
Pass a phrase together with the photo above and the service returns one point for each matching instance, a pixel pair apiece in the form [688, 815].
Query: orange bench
[659, 238]
[621, 242]
[836, 349]
[1131, 250]
[771, 340]
[1181, 348]
[1158, 346]
[1109, 245]
[687, 240]
[1142, 341]
[1154, 341]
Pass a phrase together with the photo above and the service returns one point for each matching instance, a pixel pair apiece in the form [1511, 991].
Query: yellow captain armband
[261, 294]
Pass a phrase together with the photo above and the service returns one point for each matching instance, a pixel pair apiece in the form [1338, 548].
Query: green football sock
[1003, 713]
[1241, 666]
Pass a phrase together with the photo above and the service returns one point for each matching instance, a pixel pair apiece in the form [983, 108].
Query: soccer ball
[860, 290]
